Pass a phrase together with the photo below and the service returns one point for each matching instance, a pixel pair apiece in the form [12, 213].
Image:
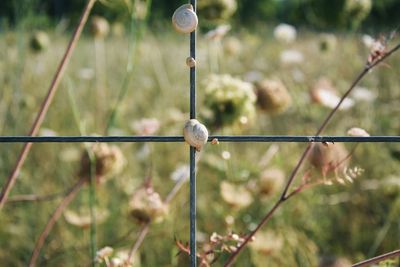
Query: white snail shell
[190, 62]
[185, 19]
[195, 134]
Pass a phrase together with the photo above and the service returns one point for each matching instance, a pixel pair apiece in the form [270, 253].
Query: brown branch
[46, 103]
[53, 219]
[368, 67]
[377, 259]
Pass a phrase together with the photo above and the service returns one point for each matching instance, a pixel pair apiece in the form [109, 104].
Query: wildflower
[108, 161]
[226, 155]
[291, 57]
[146, 126]
[39, 41]
[271, 180]
[99, 27]
[70, 154]
[272, 96]
[285, 33]
[325, 94]
[181, 173]
[368, 41]
[232, 46]
[103, 254]
[235, 195]
[228, 100]
[266, 243]
[218, 33]
[146, 205]
[363, 94]
[327, 42]
[357, 132]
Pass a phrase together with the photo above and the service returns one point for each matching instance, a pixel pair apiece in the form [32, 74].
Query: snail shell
[190, 62]
[195, 134]
[185, 19]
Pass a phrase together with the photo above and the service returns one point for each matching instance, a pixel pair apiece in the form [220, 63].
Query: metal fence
[192, 152]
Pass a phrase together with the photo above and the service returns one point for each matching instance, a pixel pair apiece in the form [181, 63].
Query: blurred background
[265, 67]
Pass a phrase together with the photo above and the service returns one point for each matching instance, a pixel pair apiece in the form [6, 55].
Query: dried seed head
[272, 96]
[328, 157]
[39, 41]
[108, 161]
[146, 205]
[235, 195]
[99, 27]
[271, 180]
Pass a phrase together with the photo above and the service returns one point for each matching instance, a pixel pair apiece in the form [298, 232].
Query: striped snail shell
[185, 19]
[195, 134]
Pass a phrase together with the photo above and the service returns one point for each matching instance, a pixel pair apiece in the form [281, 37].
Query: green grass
[325, 220]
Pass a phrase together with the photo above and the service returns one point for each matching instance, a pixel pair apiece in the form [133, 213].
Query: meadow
[351, 220]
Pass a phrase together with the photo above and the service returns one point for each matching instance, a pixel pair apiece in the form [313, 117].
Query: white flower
[329, 99]
[363, 94]
[218, 33]
[226, 155]
[145, 126]
[181, 173]
[325, 93]
[291, 56]
[47, 132]
[103, 253]
[368, 41]
[357, 132]
[285, 33]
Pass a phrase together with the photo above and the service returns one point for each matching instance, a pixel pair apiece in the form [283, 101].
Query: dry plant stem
[142, 234]
[377, 259]
[284, 196]
[145, 229]
[34, 198]
[46, 103]
[53, 219]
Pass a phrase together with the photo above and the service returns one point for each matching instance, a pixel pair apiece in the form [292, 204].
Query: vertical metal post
[192, 212]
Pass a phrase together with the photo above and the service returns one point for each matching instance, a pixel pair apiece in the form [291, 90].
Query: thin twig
[284, 196]
[377, 259]
[142, 234]
[53, 219]
[46, 103]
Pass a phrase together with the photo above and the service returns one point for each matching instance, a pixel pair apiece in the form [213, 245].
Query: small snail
[195, 134]
[190, 62]
[185, 19]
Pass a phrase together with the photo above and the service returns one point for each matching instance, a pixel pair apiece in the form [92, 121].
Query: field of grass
[352, 220]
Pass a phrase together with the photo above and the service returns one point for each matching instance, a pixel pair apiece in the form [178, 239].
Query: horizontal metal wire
[168, 139]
